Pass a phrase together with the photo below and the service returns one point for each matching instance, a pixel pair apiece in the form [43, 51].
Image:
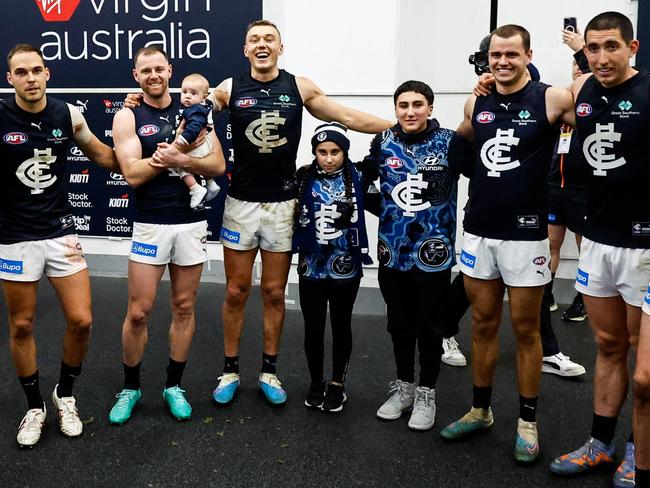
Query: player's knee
[22, 327]
[183, 306]
[138, 314]
[486, 330]
[527, 335]
[642, 386]
[273, 294]
[611, 346]
[237, 293]
[80, 325]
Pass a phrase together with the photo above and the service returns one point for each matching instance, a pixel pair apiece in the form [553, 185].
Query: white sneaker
[561, 365]
[31, 426]
[69, 421]
[424, 409]
[402, 398]
[452, 355]
[213, 189]
[197, 193]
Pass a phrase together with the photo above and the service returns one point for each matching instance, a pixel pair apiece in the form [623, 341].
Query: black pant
[458, 304]
[314, 296]
[415, 303]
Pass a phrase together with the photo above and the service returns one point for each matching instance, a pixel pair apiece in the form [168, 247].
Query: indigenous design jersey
[266, 119]
[514, 143]
[334, 258]
[417, 220]
[164, 199]
[614, 124]
[33, 199]
[569, 169]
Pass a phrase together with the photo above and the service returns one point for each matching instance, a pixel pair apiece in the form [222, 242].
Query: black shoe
[334, 398]
[315, 395]
[548, 299]
[576, 311]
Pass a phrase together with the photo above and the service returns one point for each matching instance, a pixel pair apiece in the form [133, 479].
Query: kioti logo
[57, 10]
[120, 202]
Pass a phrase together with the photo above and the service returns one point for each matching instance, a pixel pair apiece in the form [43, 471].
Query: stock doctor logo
[245, 102]
[148, 130]
[57, 10]
[485, 117]
[583, 110]
[15, 138]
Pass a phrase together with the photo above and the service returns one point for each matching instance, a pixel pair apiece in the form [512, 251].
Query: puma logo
[166, 119]
[505, 105]
[267, 91]
[38, 126]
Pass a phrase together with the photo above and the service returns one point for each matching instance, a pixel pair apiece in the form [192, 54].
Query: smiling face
[28, 75]
[609, 56]
[152, 72]
[329, 156]
[263, 47]
[412, 111]
[508, 60]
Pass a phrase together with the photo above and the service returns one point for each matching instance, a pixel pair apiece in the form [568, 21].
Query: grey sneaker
[452, 355]
[401, 399]
[424, 409]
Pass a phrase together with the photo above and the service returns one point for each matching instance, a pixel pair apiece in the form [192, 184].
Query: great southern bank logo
[57, 10]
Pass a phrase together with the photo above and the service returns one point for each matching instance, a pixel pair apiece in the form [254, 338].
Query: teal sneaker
[625, 474]
[589, 456]
[272, 389]
[177, 403]
[476, 420]
[226, 389]
[121, 411]
[526, 442]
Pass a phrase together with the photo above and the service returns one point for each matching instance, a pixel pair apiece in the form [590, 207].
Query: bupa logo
[394, 162]
[229, 235]
[148, 130]
[539, 260]
[120, 202]
[245, 102]
[485, 117]
[82, 177]
[13, 267]
[15, 138]
[467, 259]
[57, 10]
[583, 110]
[582, 278]
[144, 249]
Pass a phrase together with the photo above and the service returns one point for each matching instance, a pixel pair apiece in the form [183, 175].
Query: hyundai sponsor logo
[13, 267]
[144, 249]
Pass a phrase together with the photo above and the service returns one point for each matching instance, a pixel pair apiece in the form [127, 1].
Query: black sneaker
[576, 311]
[548, 299]
[315, 395]
[334, 398]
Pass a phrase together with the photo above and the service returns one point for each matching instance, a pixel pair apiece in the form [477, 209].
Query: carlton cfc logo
[148, 130]
[57, 10]
[583, 110]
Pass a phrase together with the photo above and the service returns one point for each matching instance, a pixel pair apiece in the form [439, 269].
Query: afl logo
[245, 102]
[15, 138]
[394, 162]
[539, 260]
[583, 110]
[148, 130]
[485, 117]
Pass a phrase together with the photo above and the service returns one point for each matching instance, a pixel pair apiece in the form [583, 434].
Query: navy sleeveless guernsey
[614, 124]
[514, 143]
[33, 199]
[266, 119]
[164, 199]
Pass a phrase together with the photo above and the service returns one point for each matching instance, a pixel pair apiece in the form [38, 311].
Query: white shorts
[609, 271]
[517, 263]
[27, 261]
[646, 302]
[181, 244]
[249, 225]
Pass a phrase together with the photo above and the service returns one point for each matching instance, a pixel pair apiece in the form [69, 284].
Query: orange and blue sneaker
[592, 454]
[624, 475]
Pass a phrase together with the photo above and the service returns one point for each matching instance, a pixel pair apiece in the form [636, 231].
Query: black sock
[603, 428]
[32, 391]
[631, 438]
[231, 364]
[528, 409]
[642, 477]
[268, 363]
[132, 377]
[66, 379]
[481, 397]
[174, 373]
